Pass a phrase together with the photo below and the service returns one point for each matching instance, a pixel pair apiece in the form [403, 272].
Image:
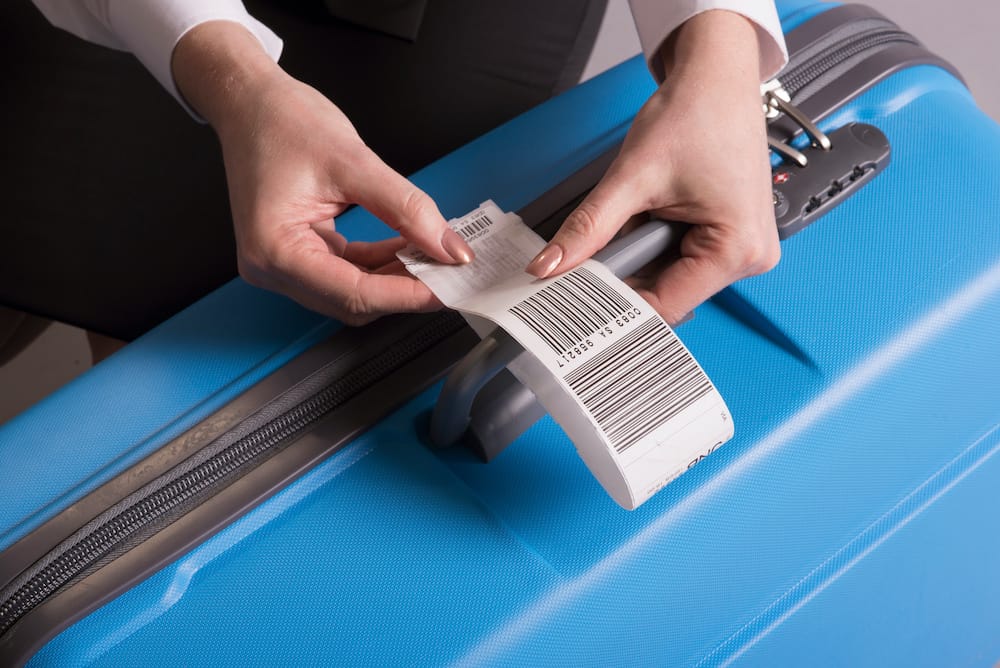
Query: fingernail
[456, 247]
[546, 261]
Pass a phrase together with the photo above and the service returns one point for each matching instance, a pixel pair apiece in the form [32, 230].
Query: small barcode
[638, 384]
[572, 308]
[477, 224]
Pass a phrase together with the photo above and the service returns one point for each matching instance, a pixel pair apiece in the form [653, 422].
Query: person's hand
[696, 153]
[293, 163]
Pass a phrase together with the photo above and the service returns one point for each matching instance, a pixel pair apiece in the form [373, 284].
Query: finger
[409, 210]
[335, 241]
[394, 267]
[374, 254]
[367, 254]
[589, 228]
[695, 277]
[335, 287]
[396, 294]
[637, 282]
[635, 221]
[685, 284]
[643, 287]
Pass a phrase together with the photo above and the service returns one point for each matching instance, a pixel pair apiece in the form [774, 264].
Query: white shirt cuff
[150, 29]
[655, 20]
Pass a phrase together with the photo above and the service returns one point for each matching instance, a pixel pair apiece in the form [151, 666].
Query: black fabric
[115, 209]
[400, 18]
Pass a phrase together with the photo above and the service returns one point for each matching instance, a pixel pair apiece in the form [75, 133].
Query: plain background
[962, 31]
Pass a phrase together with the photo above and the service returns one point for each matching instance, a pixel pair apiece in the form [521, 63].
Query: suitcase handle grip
[452, 412]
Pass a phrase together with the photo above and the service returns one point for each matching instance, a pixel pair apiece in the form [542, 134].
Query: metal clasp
[776, 101]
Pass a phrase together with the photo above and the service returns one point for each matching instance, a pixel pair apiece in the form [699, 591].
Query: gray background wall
[963, 31]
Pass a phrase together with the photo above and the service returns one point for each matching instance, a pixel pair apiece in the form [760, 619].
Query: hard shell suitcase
[154, 511]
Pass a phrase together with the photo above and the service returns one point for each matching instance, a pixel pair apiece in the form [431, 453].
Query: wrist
[712, 45]
[220, 68]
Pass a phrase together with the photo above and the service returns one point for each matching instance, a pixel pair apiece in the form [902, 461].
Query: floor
[960, 31]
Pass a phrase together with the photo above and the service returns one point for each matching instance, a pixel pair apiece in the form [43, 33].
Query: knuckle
[647, 178]
[356, 308]
[354, 319]
[351, 165]
[762, 255]
[756, 257]
[582, 222]
[768, 259]
[415, 208]
[356, 153]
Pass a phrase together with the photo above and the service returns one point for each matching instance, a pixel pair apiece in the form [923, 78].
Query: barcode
[638, 384]
[568, 311]
[477, 224]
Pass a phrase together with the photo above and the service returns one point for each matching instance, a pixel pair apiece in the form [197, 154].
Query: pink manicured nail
[456, 247]
[546, 261]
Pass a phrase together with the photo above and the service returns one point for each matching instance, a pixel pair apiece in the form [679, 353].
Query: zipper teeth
[801, 75]
[172, 493]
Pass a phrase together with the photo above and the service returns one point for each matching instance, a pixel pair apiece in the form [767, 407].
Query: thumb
[588, 229]
[410, 211]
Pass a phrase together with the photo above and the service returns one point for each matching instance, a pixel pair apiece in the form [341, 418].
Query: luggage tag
[636, 404]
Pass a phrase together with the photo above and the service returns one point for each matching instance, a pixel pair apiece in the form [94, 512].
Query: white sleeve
[656, 19]
[150, 29]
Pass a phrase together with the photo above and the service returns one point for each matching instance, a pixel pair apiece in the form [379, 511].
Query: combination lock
[806, 189]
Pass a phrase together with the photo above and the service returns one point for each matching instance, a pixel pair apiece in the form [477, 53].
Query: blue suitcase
[218, 493]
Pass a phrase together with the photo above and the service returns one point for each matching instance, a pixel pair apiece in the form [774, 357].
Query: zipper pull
[787, 152]
[777, 101]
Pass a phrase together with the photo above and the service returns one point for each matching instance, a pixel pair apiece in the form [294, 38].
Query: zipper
[820, 60]
[797, 75]
[80, 552]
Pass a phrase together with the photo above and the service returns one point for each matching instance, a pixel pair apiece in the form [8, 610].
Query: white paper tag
[634, 401]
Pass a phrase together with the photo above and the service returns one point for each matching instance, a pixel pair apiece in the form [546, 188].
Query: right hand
[293, 164]
[708, 106]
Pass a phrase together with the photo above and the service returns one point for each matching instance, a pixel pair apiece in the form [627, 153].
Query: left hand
[294, 162]
[696, 153]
